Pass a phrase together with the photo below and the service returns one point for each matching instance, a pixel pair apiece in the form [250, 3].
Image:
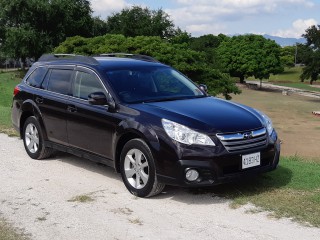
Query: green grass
[292, 190]
[7, 232]
[300, 85]
[8, 81]
[290, 78]
[289, 75]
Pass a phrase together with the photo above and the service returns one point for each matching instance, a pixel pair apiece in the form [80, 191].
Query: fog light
[192, 175]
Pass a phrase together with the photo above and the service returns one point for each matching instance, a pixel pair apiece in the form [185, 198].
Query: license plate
[250, 160]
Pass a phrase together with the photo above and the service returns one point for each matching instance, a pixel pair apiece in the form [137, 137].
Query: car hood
[205, 114]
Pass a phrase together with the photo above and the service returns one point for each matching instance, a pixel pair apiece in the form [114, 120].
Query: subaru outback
[143, 118]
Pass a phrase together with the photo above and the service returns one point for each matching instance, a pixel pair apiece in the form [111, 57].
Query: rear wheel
[138, 169]
[33, 140]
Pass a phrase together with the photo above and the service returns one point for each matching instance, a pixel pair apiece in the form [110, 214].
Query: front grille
[235, 142]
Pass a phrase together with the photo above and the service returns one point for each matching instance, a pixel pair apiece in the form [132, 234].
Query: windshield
[152, 85]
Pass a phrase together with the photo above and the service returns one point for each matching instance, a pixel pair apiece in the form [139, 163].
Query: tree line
[31, 28]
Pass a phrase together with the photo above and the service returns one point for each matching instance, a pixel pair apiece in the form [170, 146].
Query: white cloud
[104, 8]
[201, 29]
[298, 28]
[245, 3]
[201, 14]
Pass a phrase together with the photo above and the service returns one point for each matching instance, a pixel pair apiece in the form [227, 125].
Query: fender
[131, 127]
[30, 106]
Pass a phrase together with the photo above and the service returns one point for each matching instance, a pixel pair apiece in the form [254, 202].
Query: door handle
[72, 109]
[39, 99]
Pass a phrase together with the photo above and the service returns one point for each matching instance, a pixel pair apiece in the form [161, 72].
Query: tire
[33, 140]
[138, 170]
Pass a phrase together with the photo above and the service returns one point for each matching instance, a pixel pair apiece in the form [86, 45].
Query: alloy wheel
[31, 137]
[136, 168]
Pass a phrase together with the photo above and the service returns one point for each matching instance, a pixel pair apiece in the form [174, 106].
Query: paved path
[289, 90]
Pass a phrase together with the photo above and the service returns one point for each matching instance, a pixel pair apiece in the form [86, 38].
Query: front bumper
[221, 169]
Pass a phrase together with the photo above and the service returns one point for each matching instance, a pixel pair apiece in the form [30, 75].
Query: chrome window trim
[65, 95]
[101, 82]
[27, 76]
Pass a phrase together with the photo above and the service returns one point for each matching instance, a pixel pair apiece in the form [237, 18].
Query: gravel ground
[38, 197]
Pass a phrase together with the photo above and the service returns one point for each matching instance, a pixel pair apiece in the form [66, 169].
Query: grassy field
[293, 190]
[7, 83]
[297, 127]
[291, 78]
[290, 75]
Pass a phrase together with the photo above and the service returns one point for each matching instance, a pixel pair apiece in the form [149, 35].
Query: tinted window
[36, 77]
[59, 80]
[86, 83]
[152, 84]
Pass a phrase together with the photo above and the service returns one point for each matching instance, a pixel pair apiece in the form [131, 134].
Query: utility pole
[295, 55]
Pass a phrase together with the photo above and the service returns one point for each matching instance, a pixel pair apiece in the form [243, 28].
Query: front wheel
[33, 140]
[138, 169]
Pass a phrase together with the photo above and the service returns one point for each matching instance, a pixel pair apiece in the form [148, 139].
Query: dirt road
[39, 197]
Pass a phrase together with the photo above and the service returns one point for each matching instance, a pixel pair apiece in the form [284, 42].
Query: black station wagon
[143, 118]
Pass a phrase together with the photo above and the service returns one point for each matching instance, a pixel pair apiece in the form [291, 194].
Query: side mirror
[97, 98]
[203, 88]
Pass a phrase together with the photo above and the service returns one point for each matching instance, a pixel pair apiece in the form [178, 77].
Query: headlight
[184, 134]
[267, 121]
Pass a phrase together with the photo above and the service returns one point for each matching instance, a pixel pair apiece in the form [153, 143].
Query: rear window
[59, 80]
[36, 77]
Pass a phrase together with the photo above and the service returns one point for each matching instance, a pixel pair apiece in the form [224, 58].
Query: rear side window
[36, 77]
[59, 80]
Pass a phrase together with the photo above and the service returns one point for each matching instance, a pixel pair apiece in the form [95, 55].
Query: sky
[282, 18]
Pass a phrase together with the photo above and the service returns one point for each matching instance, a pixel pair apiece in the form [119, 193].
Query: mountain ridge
[285, 41]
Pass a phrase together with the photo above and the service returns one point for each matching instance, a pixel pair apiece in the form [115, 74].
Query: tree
[303, 52]
[291, 55]
[30, 28]
[250, 55]
[192, 63]
[312, 59]
[138, 21]
[287, 56]
[208, 44]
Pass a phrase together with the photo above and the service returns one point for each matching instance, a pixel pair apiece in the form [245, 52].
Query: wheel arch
[29, 108]
[148, 136]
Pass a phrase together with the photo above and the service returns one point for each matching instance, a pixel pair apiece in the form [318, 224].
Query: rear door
[90, 127]
[52, 102]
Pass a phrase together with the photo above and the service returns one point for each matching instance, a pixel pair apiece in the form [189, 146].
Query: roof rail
[129, 55]
[73, 57]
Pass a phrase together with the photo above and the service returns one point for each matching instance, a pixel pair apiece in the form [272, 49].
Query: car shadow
[249, 186]
[245, 187]
[83, 163]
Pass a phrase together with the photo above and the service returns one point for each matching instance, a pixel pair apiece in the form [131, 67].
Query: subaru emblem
[247, 135]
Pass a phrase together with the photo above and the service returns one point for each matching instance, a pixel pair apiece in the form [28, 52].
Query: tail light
[16, 90]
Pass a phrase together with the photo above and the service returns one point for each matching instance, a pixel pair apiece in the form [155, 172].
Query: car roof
[109, 61]
[115, 62]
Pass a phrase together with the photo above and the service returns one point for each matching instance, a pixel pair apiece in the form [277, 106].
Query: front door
[90, 127]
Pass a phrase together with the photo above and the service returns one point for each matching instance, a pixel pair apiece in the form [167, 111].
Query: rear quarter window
[36, 77]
